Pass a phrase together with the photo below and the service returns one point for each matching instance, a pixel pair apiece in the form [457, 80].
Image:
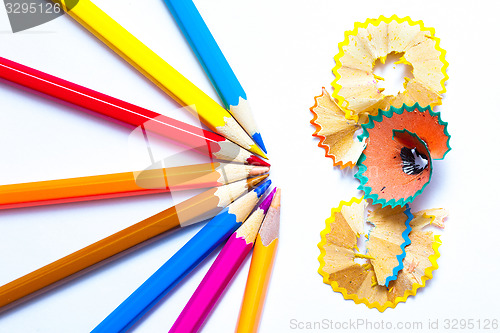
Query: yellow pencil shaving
[355, 84]
[355, 281]
[335, 132]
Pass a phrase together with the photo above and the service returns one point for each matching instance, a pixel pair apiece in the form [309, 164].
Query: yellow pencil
[160, 72]
[260, 269]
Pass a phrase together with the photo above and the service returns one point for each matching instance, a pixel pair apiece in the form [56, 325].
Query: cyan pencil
[215, 64]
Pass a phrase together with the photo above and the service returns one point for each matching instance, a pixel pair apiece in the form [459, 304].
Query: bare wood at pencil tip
[269, 230]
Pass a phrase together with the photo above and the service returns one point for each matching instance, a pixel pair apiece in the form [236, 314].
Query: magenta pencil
[222, 271]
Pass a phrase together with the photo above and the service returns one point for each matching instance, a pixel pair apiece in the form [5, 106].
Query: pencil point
[269, 229]
[250, 228]
[258, 170]
[252, 182]
[267, 201]
[256, 150]
[263, 188]
[255, 160]
[276, 203]
[258, 139]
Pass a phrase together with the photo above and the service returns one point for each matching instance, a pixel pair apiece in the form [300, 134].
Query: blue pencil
[215, 64]
[181, 263]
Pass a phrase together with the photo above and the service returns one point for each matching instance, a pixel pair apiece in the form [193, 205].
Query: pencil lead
[266, 203]
[255, 160]
[258, 140]
[252, 182]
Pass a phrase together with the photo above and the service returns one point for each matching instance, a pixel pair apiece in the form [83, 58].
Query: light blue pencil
[215, 64]
[181, 263]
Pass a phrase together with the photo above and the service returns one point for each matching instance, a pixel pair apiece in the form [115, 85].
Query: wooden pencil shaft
[188, 136]
[194, 209]
[202, 141]
[121, 184]
[256, 289]
[260, 269]
[88, 256]
[208, 52]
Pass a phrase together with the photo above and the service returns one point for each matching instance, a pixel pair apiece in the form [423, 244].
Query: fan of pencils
[236, 180]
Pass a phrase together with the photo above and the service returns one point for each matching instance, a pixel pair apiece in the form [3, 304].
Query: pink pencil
[222, 271]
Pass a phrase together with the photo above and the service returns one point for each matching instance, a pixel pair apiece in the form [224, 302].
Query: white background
[282, 53]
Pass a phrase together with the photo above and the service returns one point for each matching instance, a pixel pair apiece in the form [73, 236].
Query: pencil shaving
[396, 165]
[434, 216]
[387, 241]
[336, 133]
[358, 282]
[355, 84]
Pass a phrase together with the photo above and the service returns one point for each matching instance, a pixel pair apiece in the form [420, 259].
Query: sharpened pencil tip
[277, 199]
[269, 229]
[254, 181]
[267, 201]
[263, 188]
[258, 170]
[254, 160]
[256, 150]
[250, 228]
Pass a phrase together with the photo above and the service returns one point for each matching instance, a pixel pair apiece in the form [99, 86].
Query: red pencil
[202, 141]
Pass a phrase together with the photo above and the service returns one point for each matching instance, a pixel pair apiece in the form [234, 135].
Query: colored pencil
[161, 73]
[193, 210]
[181, 263]
[220, 274]
[215, 64]
[124, 184]
[192, 137]
[260, 270]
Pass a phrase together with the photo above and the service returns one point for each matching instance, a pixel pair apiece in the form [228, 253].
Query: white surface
[282, 52]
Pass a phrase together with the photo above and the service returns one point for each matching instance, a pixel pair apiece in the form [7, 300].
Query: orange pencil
[124, 184]
[260, 269]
